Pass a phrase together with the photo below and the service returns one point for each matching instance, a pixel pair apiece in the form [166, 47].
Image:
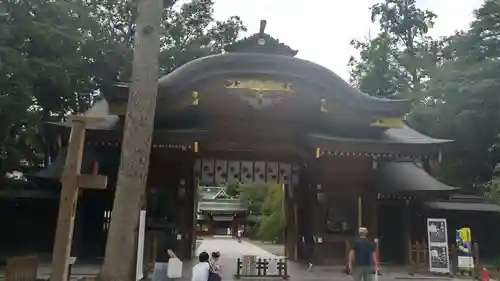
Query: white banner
[437, 236]
[140, 245]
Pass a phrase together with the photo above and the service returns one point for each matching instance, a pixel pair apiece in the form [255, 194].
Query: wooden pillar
[375, 216]
[119, 260]
[406, 230]
[295, 230]
[291, 230]
[234, 228]
[71, 180]
[185, 195]
[319, 221]
[360, 211]
[303, 205]
[195, 215]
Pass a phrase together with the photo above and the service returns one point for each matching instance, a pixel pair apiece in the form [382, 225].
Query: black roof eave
[407, 177]
[464, 206]
[405, 141]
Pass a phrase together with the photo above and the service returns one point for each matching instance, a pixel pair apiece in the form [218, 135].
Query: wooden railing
[22, 268]
[261, 268]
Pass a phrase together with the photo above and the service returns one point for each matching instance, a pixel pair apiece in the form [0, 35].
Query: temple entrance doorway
[254, 198]
[392, 244]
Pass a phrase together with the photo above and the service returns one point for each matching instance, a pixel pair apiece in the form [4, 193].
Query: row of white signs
[437, 236]
[439, 261]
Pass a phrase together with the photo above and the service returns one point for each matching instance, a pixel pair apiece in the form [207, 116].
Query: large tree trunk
[121, 248]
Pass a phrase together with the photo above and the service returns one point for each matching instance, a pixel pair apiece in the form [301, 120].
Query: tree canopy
[452, 81]
[266, 201]
[57, 57]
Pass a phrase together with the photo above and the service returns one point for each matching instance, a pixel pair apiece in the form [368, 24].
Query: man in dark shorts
[362, 257]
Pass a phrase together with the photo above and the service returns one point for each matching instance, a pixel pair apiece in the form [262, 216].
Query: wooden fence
[261, 268]
[22, 268]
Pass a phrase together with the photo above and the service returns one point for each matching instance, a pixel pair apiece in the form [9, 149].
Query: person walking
[362, 257]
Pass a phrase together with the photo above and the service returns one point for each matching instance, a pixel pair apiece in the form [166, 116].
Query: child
[215, 265]
[200, 270]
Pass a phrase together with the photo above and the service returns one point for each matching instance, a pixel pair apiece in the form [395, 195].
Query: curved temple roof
[231, 64]
[391, 140]
[408, 177]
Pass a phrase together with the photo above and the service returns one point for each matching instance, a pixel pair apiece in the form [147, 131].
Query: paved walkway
[230, 250]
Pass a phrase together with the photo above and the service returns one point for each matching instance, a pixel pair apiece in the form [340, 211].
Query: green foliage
[453, 82]
[398, 58]
[266, 201]
[255, 195]
[232, 190]
[58, 56]
[271, 226]
[462, 101]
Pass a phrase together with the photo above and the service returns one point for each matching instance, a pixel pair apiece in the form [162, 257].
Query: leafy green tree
[271, 226]
[233, 190]
[375, 71]
[463, 103]
[58, 56]
[399, 58]
[255, 195]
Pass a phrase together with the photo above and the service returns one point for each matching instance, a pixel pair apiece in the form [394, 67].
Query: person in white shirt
[240, 235]
[200, 270]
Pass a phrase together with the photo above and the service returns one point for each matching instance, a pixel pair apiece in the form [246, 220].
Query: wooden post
[406, 229]
[71, 180]
[360, 212]
[119, 260]
[286, 215]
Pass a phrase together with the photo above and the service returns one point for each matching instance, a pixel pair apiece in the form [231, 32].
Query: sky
[322, 29]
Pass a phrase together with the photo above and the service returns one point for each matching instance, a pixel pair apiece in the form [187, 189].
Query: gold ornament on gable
[259, 93]
[260, 85]
[388, 122]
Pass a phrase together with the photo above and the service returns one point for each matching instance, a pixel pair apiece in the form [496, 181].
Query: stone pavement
[230, 250]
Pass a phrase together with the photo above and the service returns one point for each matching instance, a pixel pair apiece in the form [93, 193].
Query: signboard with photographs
[439, 261]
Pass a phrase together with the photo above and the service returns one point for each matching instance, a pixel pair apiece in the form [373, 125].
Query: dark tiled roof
[110, 122]
[409, 135]
[210, 192]
[407, 177]
[463, 206]
[251, 45]
[405, 135]
[405, 141]
[222, 205]
[233, 64]
[54, 170]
